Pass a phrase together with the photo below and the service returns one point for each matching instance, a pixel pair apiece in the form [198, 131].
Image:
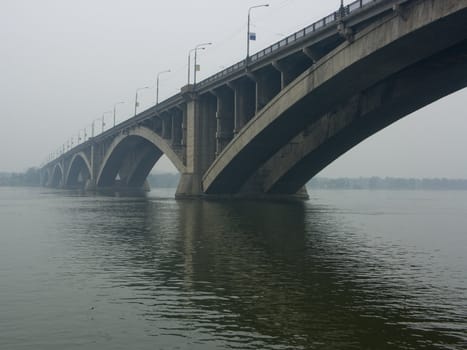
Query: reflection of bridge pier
[283, 269]
[263, 128]
[280, 270]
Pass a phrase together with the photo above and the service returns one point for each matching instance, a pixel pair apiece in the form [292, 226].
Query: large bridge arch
[354, 83]
[78, 172]
[132, 155]
[362, 116]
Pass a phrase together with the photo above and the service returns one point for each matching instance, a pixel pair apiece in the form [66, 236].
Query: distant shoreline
[387, 183]
[170, 180]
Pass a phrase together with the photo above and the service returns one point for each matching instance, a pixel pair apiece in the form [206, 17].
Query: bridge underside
[363, 115]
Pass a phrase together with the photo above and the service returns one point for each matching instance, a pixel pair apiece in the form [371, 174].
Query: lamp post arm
[136, 96]
[196, 60]
[198, 47]
[189, 64]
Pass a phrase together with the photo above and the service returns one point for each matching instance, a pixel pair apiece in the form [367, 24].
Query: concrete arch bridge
[265, 126]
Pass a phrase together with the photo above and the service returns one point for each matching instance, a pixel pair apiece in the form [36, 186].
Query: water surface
[345, 270]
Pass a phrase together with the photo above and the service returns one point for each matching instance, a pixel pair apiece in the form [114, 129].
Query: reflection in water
[249, 275]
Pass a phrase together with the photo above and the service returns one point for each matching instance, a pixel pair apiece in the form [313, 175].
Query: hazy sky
[64, 63]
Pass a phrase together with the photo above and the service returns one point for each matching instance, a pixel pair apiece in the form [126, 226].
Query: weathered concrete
[362, 116]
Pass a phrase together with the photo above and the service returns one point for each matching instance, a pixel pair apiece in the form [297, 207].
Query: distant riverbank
[30, 177]
[387, 183]
[362, 183]
[169, 180]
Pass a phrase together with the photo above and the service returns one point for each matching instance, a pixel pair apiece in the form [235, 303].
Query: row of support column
[214, 118]
[170, 126]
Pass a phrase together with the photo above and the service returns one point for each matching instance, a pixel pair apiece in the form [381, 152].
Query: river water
[345, 270]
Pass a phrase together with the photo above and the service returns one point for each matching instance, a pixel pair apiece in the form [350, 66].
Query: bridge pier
[190, 180]
[210, 124]
[91, 184]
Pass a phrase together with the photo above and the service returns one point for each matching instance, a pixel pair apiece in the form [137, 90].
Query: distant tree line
[163, 180]
[32, 178]
[387, 183]
[29, 178]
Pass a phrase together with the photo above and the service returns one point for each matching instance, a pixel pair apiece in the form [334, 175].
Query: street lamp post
[115, 110]
[92, 126]
[157, 84]
[197, 47]
[136, 96]
[189, 64]
[196, 55]
[248, 30]
[103, 121]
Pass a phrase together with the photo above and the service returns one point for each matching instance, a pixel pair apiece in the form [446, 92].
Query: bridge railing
[301, 34]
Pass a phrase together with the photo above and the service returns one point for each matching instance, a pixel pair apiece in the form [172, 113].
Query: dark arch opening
[129, 164]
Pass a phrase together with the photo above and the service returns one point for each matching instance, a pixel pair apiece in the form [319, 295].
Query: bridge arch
[56, 180]
[132, 155]
[358, 89]
[78, 172]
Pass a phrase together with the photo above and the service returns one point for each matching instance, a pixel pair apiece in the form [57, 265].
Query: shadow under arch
[131, 156]
[79, 171]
